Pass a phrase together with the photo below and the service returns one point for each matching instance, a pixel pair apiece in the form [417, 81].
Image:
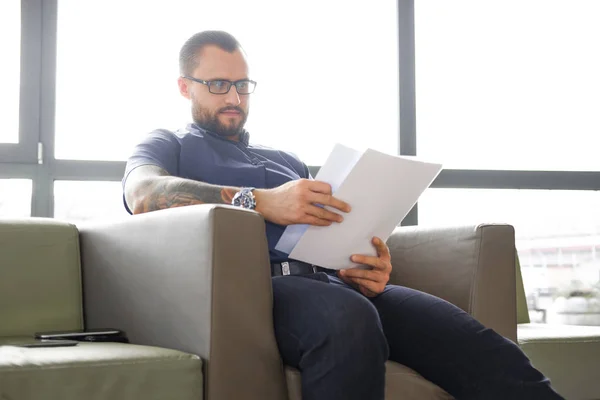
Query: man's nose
[232, 97]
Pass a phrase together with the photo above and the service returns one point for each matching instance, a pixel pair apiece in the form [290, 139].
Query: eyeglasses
[222, 86]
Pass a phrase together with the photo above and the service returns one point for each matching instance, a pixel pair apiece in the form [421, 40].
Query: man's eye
[218, 84]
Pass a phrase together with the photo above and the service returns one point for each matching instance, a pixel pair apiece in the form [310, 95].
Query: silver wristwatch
[245, 198]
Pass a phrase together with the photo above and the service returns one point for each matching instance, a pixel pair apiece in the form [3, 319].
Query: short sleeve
[160, 148]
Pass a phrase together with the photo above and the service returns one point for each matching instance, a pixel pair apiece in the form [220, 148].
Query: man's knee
[351, 322]
[321, 314]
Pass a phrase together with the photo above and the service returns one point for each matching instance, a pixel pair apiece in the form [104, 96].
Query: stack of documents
[380, 188]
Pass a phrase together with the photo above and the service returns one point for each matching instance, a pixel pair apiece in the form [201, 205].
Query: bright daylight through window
[10, 43]
[15, 198]
[520, 98]
[333, 82]
[523, 97]
[79, 201]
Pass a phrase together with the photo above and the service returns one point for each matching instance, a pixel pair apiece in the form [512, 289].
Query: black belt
[294, 268]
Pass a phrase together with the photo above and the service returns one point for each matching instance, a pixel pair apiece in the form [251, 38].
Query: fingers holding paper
[370, 282]
[300, 202]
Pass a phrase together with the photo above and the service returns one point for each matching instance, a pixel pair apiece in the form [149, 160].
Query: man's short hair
[189, 53]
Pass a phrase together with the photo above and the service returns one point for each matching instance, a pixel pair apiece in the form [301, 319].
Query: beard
[210, 120]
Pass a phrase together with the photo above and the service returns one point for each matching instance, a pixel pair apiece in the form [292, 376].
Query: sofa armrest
[195, 279]
[472, 267]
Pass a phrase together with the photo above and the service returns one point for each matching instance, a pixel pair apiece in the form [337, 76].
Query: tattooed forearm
[169, 191]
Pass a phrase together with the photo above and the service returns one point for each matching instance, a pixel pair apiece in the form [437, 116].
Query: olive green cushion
[40, 280]
[568, 355]
[98, 371]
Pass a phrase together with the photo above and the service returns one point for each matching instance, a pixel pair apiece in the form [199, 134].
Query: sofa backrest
[40, 276]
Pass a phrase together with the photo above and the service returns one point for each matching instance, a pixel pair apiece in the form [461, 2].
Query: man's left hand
[370, 282]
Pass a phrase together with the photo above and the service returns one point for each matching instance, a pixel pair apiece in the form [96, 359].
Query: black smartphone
[89, 335]
[31, 343]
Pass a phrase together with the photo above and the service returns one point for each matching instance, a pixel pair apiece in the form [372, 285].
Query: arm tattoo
[169, 191]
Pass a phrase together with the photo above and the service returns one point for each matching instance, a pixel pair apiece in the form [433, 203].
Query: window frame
[37, 131]
[33, 157]
[26, 150]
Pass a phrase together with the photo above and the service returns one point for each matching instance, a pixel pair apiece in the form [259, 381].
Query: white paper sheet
[338, 165]
[380, 188]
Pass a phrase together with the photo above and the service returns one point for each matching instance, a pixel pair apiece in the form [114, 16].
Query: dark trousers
[340, 340]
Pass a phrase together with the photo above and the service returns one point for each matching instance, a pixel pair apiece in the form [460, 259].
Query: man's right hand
[295, 202]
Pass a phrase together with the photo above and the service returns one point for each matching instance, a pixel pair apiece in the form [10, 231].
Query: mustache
[238, 109]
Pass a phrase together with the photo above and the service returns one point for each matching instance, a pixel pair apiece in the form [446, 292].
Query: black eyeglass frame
[207, 83]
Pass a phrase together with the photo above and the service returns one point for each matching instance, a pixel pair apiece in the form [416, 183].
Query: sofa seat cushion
[568, 355]
[97, 371]
[401, 383]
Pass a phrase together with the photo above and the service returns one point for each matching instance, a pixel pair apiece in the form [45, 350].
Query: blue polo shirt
[195, 153]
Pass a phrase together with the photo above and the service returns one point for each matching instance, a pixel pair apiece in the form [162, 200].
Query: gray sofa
[191, 287]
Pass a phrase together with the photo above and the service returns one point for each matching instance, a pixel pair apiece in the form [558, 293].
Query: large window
[508, 84]
[10, 45]
[326, 71]
[513, 85]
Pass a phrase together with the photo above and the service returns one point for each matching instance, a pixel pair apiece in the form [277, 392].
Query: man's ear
[183, 87]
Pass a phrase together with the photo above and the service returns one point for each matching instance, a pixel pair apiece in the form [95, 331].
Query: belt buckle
[285, 268]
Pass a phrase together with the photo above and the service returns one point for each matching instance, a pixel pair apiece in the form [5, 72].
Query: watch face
[245, 199]
[236, 199]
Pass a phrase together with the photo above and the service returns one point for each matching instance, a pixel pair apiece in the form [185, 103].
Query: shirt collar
[244, 135]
